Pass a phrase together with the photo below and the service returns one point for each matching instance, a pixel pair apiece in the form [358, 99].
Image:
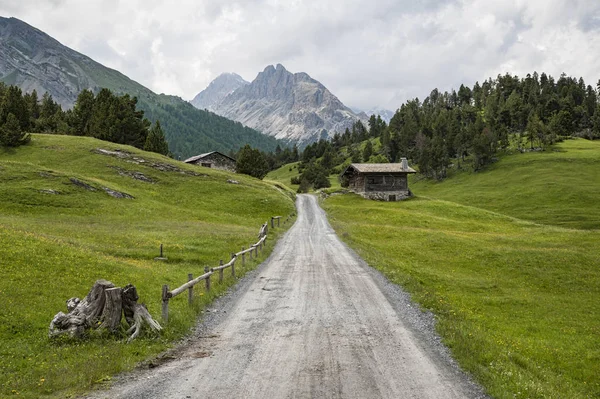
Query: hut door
[392, 198]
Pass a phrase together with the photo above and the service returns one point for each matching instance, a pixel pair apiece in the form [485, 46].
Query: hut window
[375, 180]
[206, 164]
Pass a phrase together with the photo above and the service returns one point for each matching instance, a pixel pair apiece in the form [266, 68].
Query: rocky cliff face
[288, 106]
[32, 60]
[217, 90]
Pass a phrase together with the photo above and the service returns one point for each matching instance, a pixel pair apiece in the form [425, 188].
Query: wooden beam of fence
[220, 271]
[190, 290]
[179, 290]
[166, 294]
[232, 261]
[207, 280]
[165, 303]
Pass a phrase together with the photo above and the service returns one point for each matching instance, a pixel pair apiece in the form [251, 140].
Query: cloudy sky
[370, 54]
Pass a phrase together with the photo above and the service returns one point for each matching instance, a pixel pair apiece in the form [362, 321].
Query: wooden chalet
[215, 160]
[379, 181]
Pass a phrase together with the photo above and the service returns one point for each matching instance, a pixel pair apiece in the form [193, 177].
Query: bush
[295, 180]
[304, 186]
[321, 181]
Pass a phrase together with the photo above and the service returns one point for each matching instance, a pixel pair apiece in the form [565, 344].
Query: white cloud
[369, 54]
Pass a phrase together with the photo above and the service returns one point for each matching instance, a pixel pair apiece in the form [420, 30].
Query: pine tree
[156, 142]
[251, 161]
[367, 151]
[11, 134]
[82, 113]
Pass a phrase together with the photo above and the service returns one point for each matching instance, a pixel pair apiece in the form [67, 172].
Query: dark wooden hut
[379, 181]
[214, 160]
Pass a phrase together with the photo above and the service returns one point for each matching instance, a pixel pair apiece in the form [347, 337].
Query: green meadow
[57, 238]
[508, 261]
[560, 186]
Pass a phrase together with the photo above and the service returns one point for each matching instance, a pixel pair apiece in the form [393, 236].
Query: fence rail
[208, 272]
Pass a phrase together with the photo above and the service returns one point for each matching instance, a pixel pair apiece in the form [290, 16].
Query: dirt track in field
[314, 321]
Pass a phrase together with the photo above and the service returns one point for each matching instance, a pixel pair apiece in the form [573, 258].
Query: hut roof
[197, 157]
[380, 168]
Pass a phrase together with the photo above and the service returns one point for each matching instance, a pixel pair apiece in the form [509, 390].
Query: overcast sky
[375, 53]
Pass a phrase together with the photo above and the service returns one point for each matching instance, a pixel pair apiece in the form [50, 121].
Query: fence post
[243, 258]
[233, 266]
[206, 270]
[190, 290]
[220, 272]
[272, 222]
[278, 219]
[165, 303]
[250, 252]
[256, 251]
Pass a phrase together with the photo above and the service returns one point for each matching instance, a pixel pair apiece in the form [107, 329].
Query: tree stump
[111, 315]
[103, 308]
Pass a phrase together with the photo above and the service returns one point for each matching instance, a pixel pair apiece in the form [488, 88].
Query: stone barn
[215, 160]
[379, 181]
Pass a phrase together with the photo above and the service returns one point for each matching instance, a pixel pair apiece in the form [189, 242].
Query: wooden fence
[251, 251]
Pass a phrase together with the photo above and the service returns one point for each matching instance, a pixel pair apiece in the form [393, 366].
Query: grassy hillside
[284, 174]
[558, 187]
[517, 302]
[57, 238]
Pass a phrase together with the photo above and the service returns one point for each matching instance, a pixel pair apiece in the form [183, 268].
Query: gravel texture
[313, 321]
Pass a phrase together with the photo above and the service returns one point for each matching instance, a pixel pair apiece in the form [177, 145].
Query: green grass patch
[558, 186]
[517, 303]
[284, 174]
[57, 238]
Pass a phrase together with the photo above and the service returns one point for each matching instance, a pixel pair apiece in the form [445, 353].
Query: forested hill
[31, 59]
[470, 127]
[527, 113]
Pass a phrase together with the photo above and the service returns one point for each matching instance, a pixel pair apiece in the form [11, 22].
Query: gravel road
[314, 321]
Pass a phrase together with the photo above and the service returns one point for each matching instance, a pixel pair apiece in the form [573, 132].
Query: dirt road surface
[314, 321]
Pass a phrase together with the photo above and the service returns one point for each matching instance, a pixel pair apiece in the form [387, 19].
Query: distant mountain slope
[293, 107]
[217, 90]
[31, 59]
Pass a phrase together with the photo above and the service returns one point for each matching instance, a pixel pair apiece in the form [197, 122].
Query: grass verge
[57, 238]
[517, 303]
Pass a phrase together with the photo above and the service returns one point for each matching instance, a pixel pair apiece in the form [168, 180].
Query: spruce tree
[367, 151]
[11, 134]
[251, 161]
[156, 142]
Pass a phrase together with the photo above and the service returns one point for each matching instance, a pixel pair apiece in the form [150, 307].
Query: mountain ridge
[33, 60]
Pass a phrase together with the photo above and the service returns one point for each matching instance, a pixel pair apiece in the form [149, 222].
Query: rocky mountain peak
[291, 106]
[222, 86]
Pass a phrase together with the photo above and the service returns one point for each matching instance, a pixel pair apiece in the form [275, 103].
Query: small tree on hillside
[368, 151]
[251, 161]
[535, 130]
[156, 141]
[11, 134]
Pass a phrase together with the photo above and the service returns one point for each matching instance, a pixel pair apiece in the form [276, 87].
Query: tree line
[467, 128]
[105, 116]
